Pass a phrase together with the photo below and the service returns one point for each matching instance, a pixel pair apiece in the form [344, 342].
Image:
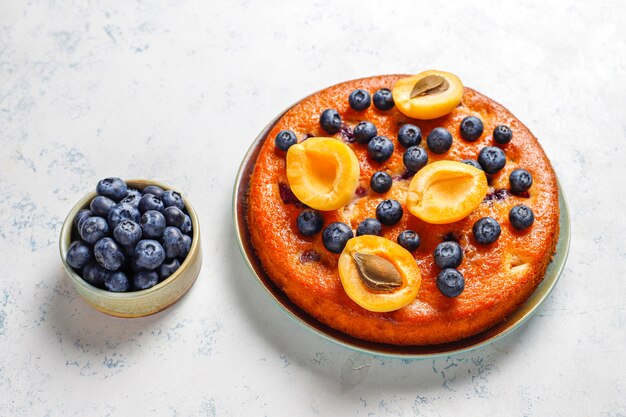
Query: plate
[490, 335]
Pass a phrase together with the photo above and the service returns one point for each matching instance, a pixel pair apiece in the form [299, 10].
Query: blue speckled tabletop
[177, 91]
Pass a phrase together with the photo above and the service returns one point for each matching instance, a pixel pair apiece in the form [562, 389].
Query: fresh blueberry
[415, 158]
[450, 282]
[114, 188]
[521, 217]
[123, 211]
[127, 232]
[174, 216]
[285, 139]
[153, 224]
[364, 132]
[380, 148]
[132, 198]
[134, 192]
[78, 255]
[369, 227]
[486, 230]
[150, 202]
[492, 159]
[167, 268]
[409, 135]
[448, 254]
[502, 134]
[93, 229]
[186, 247]
[330, 120]
[172, 198]
[108, 254]
[94, 274]
[101, 206]
[116, 282]
[381, 182]
[173, 242]
[359, 100]
[145, 279]
[154, 190]
[389, 212]
[80, 216]
[471, 128]
[335, 236]
[520, 181]
[149, 254]
[310, 222]
[409, 240]
[383, 100]
[439, 140]
[186, 227]
[473, 163]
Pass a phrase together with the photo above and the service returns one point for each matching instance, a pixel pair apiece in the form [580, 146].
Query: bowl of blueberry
[131, 248]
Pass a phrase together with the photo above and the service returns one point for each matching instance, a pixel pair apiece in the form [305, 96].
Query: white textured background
[177, 90]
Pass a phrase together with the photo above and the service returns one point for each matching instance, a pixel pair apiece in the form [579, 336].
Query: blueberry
[108, 254]
[78, 254]
[389, 212]
[409, 240]
[471, 128]
[335, 236]
[154, 190]
[93, 229]
[492, 159]
[364, 132]
[174, 216]
[369, 227]
[132, 192]
[380, 148]
[150, 202]
[359, 100]
[80, 216]
[101, 206]
[520, 181]
[186, 248]
[132, 198]
[127, 232]
[123, 211]
[448, 254]
[439, 140]
[153, 224]
[172, 198]
[383, 100]
[486, 230]
[310, 222]
[381, 182]
[173, 242]
[521, 217]
[285, 139]
[330, 120]
[473, 163]
[145, 279]
[116, 282]
[186, 227]
[149, 254]
[114, 188]
[409, 135]
[167, 268]
[450, 282]
[415, 158]
[94, 274]
[502, 134]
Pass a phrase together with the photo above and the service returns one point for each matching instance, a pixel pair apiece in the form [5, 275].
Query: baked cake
[306, 202]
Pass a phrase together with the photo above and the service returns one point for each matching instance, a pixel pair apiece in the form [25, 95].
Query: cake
[497, 276]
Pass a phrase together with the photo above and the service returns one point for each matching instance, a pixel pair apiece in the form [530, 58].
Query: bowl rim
[65, 240]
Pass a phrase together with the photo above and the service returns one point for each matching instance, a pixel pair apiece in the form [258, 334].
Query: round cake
[498, 276]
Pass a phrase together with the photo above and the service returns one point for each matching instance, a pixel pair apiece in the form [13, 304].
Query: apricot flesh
[428, 105]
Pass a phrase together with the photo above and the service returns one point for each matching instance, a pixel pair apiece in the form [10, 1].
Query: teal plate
[490, 335]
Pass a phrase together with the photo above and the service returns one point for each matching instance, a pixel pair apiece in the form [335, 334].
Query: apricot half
[323, 173]
[428, 95]
[390, 297]
[446, 191]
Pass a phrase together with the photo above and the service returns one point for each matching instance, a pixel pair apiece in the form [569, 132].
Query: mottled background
[177, 90]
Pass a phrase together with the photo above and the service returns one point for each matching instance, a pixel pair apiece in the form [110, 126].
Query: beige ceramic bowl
[136, 303]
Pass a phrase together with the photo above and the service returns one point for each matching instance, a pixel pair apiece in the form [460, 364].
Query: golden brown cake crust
[498, 277]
